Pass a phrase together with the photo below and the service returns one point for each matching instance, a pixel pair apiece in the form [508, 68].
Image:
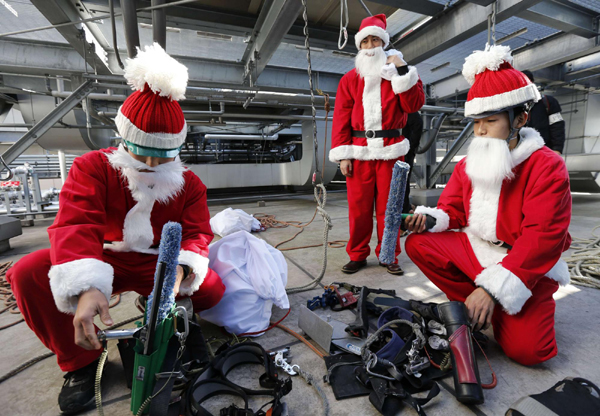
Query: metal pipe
[240, 137]
[93, 96]
[209, 112]
[61, 126]
[456, 146]
[249, 116]
[93, 19]
[159, 24]
[63, 166]
[130, 25]
[432, 134]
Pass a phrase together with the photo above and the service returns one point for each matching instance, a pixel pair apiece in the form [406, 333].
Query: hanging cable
[365, 7]
[343, 26]
[114, 33]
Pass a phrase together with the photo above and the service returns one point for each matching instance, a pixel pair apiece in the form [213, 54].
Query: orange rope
[301, 338]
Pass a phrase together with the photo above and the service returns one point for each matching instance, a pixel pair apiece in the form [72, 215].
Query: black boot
[77, 393]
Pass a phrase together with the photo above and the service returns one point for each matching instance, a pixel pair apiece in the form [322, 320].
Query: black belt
[503, 245]
[371, 134]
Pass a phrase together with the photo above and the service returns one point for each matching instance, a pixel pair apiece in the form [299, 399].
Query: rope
[310, 380]
[42, 357]
[584, 263]
[343, 30]
[97, 386]
[268, 221]
[6, 295]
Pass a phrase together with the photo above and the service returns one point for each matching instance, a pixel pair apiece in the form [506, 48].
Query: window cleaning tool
[393, 213]
[159, 324]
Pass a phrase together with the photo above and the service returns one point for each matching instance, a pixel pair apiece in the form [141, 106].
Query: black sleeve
[402, 70]
[557, 127]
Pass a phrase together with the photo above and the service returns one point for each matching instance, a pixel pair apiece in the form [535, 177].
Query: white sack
[254, 275]
[231, 220]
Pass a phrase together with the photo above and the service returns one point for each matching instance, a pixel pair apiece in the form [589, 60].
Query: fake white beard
[370, 61]
[160, 183]
[489, 161]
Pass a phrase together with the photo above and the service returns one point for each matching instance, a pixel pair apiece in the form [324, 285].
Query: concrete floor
[35, 390]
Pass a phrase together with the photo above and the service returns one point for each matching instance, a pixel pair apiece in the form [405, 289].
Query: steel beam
[454, 25]
[61, 11]
[426, 7]
[275, 20]
[564, 16]
[584, 64]
[564, 47]
[48, 121]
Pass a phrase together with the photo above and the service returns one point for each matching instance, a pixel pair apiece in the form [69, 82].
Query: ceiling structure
[251, 54]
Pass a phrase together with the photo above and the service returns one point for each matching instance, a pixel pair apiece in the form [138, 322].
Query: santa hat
[150, 120]
[495, 84]
[374, 26]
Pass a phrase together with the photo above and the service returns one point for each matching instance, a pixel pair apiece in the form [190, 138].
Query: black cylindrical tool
[464, 366]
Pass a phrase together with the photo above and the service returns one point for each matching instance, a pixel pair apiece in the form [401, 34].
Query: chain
[312, 93]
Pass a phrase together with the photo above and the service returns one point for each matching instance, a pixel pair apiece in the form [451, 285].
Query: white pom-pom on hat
[491, 58]
[163, 74]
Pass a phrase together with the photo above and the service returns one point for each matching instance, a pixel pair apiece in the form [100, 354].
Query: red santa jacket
[373, 103]
[531, 213]
[106, 203]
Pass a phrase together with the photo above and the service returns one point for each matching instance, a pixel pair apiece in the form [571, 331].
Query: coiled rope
[584, 263]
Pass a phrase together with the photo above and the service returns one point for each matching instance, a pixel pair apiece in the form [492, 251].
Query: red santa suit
[371, 103]
[531, 214]
[106, 236]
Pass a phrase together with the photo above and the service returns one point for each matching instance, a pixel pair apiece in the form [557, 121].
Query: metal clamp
[281, 362]
[182, 336]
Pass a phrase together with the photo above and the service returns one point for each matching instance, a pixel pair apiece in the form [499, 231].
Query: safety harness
[213, 382]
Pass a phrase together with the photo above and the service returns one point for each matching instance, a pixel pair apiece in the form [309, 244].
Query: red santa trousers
[132, 272]
[447, 259]
[369, 183]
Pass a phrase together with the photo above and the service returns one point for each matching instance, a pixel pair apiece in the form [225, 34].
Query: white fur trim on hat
[369, 152]
[442, 220]
[500, 101]
[403, 83]
[163, 74]
[69, 280]
[373, 31]
[491, 58]
[505, 286]
[199, 266]
[131, 133]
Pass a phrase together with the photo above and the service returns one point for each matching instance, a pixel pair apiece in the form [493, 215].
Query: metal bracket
[40, 128]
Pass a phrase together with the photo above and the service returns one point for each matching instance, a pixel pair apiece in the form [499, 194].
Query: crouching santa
[371, 107]
[510, 204]
[105, 237]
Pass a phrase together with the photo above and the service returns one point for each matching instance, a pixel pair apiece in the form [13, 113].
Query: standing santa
[371, 106]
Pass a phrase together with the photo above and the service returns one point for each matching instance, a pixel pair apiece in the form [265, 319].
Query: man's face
[371, 42]
[150, 160]
[497, 126]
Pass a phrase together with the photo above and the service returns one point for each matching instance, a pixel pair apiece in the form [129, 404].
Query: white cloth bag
[254, 275]
[231, 220]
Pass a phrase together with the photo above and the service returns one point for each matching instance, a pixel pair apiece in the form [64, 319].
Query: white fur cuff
[403, 83]
[68, 280]
[199, 265]
[505, 286]
[442, 220]
[560, 273]
[337, 154]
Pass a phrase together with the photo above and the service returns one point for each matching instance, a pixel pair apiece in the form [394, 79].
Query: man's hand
[91, 303]
[346, 167]
[416, 223]
[396, 60]
[481, 308]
